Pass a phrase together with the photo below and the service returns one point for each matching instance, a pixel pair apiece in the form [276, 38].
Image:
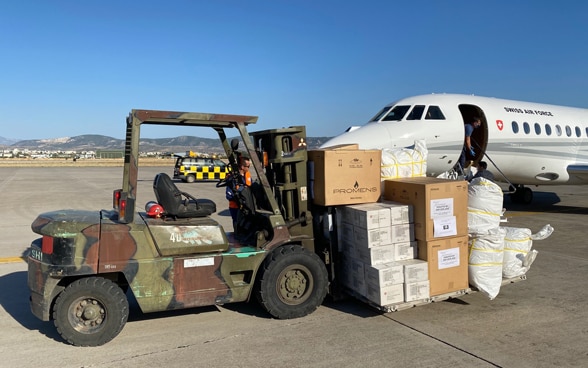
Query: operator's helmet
[153, 209]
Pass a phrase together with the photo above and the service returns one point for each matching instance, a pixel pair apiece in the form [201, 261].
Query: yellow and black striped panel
[205, 172]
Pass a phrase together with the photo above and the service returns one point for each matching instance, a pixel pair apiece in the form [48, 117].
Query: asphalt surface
[539, 322]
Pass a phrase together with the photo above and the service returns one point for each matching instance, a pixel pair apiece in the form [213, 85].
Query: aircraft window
[381, 113]
[548, 129]
[526, 128]
[416, 113]
[568, 131]
[587, 131]
[396, 114]
[515, 127]
[558, 130]
[434, 113]
[537, 129]
[578, 132]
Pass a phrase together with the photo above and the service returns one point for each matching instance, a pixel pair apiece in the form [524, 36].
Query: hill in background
[93, 142]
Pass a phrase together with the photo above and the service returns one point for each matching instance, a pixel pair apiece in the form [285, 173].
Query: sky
[71, 67]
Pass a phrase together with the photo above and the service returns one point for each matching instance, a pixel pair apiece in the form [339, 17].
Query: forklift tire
[293, 282]
[90, 311]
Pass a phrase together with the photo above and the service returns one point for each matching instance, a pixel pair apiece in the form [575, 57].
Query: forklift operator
[244, 178]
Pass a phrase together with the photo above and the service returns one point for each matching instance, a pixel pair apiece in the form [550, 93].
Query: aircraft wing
[579, 170]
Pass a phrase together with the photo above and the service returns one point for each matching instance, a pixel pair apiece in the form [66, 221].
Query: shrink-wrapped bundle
[518, 255]
[484, 206]
[486, 252]
[404, 162]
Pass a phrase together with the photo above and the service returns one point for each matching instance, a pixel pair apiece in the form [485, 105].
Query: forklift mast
[284, 155]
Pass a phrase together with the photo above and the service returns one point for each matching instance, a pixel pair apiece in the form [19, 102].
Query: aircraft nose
[369, 136]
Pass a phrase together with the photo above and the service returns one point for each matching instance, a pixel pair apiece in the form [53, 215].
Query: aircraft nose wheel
[521, 194]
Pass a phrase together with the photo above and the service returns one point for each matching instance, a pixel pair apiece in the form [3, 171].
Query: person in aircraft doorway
[467, 144]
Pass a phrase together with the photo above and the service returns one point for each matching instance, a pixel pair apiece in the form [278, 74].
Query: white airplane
[527, 143]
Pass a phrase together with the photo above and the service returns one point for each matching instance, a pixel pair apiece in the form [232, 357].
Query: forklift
[174, 255]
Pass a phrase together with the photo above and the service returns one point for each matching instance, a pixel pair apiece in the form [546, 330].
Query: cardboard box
[345, 237]
[416, 291]
[378, 255]
[354, 275]
[344, 176]
[385, 274]
[448, 263]
[364, 238]
[415, 270]
[400, 213]
[367, 215]
[386, 295]
[402, 233]
[405, 250]
[440, 205]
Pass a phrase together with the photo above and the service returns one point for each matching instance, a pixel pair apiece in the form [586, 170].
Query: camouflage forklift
[174, 255]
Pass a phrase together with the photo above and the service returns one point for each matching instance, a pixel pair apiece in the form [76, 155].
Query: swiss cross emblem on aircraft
[499, 124]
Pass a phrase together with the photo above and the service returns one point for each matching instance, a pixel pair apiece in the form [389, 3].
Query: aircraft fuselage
[530, 143]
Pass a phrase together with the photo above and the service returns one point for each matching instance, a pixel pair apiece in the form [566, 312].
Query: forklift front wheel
[293, 282]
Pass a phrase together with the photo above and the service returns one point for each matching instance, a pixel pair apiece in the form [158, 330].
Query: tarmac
[539, 322]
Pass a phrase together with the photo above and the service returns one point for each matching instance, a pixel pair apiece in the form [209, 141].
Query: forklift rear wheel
[90, 311]
[293, 282]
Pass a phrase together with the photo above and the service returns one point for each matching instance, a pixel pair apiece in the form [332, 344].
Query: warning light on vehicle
[116, 198]
[47, 245]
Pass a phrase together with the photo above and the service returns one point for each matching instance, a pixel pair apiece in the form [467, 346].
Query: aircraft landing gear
[521, 194]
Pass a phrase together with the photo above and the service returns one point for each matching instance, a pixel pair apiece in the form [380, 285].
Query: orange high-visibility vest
[233, 203]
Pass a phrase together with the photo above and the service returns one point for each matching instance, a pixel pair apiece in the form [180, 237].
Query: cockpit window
[434, 113]
[416, 113]
[381, 113]
[396, 114]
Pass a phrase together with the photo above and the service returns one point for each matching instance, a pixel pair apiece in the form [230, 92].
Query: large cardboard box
[448, 263]
[344, 176]
[440, 205]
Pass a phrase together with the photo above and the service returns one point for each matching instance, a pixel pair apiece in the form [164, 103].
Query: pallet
[437, 298]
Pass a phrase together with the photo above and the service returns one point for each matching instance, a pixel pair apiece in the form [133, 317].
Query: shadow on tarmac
[15, 301]
[546, 202]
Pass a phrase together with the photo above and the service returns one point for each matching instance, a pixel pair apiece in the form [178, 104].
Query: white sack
[405, 162]
[518, 255]
[486, 252]
[484, 206]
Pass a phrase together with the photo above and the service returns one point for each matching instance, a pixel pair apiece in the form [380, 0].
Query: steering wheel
[222, 182]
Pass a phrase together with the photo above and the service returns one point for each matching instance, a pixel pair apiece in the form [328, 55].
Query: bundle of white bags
[404, 162]
[518, 255]
[486, 254]
[495, 252]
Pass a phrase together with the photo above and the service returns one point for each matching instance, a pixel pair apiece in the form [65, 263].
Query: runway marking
[11, 260]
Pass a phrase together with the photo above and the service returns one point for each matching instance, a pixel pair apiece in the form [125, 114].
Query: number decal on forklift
[190, 236]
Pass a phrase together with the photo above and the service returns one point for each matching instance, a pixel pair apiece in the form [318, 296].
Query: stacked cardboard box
[344, 175]
[441, 228]
[379, 253]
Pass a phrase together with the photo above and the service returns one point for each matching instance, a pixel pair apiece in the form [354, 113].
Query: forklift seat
[179, 204]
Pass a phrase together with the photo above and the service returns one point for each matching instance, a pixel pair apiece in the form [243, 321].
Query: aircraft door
[479, 137]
